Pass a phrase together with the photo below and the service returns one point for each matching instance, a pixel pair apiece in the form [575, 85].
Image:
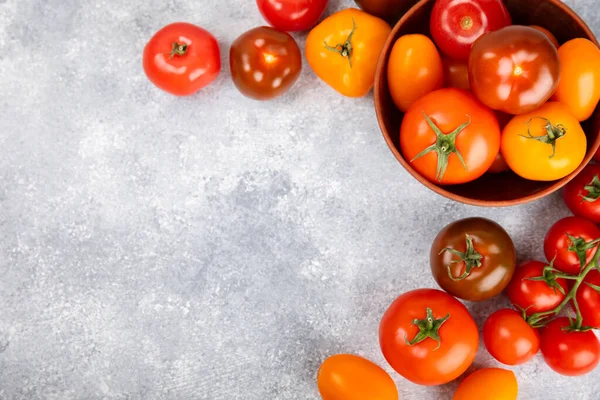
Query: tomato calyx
[429, 327]
[553, 133]
[580, 247]
[178, 49]
[344, 49]
[593, 189]
[471, 257]
[549, 276]
[444, 146]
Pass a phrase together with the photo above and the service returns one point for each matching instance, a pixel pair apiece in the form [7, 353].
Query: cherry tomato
[514, 69]
[588, 299]
[579, 86]
[428, 337]
[265, 63]
[569, 353]
[457, 144]
[350, 377]
[182, 58]
[415, 68]
[509, 338]
[488, 384]
[544, 145]
[343, 50]
[456, 24]
[456, 73]
[582, 194]
[535, 296]
[499, 165]
[389, 10]
[292, 15]
[473, 259]
[567, 252]
[547, 33]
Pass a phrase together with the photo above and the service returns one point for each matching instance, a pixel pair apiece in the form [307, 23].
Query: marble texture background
[161, 248]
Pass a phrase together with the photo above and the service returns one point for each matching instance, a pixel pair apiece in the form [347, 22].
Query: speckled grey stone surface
[153, 247]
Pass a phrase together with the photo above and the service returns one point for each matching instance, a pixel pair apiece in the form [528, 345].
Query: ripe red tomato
[428, 337]
[457, 24]
[532, 295]
[292, 15]
[265, 63]
[588, 299]
[182, 58]
[582, 194]
[569, 353]
[456, 73]
[509, 338]
[514, 69]
[570, 252]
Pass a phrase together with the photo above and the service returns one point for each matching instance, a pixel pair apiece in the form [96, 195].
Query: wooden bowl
[491, 190]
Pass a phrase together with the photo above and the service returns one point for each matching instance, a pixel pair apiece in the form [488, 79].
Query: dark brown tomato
[473, 259]
[389, 10]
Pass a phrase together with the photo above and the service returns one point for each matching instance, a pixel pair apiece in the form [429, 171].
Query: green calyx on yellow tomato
[429, 327]
[553, 133]
[345, 49]
[470, 257]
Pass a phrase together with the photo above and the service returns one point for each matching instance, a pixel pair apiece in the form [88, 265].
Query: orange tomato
[350, 377]
[488, 384]
[579, 86]
[343, 50]
[547, 33]
[415, 68]
[456, 73]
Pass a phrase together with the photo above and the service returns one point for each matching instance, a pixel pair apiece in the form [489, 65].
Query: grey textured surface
[161, 248]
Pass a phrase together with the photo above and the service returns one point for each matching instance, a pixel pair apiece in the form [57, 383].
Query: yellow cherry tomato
[488, 384]
[343, 50]
[415, 68]
[579, 86]
[544, 145]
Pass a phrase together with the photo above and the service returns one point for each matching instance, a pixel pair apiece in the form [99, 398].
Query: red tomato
[515, 69]
[182, 58]
[588, 299]
[428, 337]
[456, 73]
[569, 353]
[535, 296]
[509, 338]
[582, 194]
[499, 165]
[547, 33]
[292, 15]
[569, 254]
[457, 24]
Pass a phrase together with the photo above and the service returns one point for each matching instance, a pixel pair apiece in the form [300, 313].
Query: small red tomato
[582, 194]
[182, 58]
[569, 353]
[566, 243]
[292, 15]
[265, 63]
[588, 299]
[534, 295]
[509, 338]
[457, 24]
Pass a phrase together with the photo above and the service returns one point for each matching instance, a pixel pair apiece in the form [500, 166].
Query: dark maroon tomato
[473, 259]
[389, 10]
[456, 24]
[292, 15]
[265, 63]
[582, 194]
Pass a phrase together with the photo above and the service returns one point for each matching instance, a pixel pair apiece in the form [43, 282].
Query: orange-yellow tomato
[544, 145]
[579, 86]
[488, 384]
[415, 68]
[343, 50]
[547, 33]
[350, 377]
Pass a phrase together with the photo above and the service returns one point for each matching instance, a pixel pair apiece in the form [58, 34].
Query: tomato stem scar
[178, 49]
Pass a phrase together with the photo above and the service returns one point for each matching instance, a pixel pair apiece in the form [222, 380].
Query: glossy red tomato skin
[534, 296]
[556, 242]
[182, 75]
[588, 300]
[569, 353]
[292, 15]
[265, 62]
[574, 193]
[509, 338]
[456, 24]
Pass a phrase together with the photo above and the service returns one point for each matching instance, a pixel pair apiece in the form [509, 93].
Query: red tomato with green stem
[571, 243]
[582, 194]
[509, 338]
[292, 15]
[588, 299]
[456, 24]
[182, 58]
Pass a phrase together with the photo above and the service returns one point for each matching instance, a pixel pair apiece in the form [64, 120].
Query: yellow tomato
[343, 50]
[579, 86]
[415, 68]
[544, 145]
[488, 384]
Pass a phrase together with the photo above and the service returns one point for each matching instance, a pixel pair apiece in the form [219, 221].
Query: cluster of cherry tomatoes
[488, 96]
